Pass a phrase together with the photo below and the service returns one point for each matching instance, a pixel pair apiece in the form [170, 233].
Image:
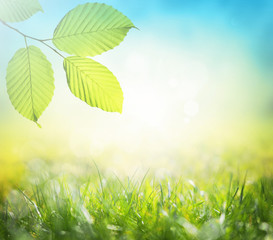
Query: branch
[33, 38]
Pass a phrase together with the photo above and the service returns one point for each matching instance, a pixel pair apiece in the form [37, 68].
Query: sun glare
[191, 108]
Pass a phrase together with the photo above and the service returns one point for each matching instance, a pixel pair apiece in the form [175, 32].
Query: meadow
[227, 196]
[110, 208]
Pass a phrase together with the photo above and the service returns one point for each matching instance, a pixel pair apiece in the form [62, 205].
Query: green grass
[93, 207]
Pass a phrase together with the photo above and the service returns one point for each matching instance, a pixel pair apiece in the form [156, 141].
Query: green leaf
[91, 29]
[30, 82]
[18, 10]
[93, 83]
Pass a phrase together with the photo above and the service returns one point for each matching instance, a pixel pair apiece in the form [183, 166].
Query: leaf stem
[33, 38]
[53, 49]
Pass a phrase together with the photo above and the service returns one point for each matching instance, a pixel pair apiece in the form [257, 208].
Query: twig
[33, 38]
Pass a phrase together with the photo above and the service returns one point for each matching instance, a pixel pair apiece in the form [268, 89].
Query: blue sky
[250, 20]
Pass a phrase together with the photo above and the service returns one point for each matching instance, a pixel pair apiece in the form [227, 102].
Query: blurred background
[197, 81]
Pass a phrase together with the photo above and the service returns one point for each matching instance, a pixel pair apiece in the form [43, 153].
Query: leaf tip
[136, 28]
[40, 7]
[38, 125]
[120, 110]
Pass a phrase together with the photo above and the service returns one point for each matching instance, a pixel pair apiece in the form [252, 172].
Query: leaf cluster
[86, 31]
